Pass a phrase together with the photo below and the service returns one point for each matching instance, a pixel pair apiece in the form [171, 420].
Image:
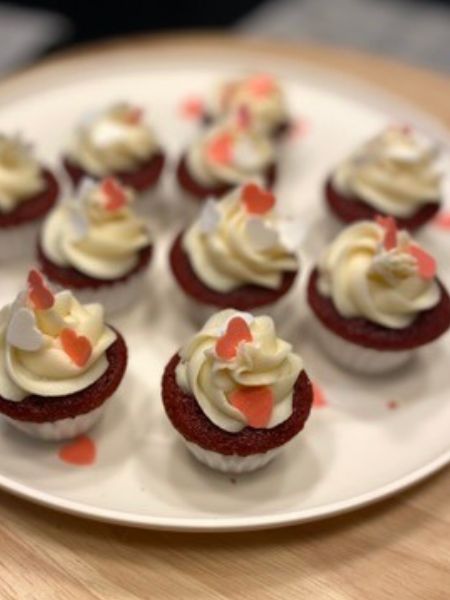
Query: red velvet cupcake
[61, 362]
[394, 174]
[237, 253]
[27, 192]
[236, 393]
[376, 298]
[224, 155]
[260, 96]
[97, 246]
[116, 142]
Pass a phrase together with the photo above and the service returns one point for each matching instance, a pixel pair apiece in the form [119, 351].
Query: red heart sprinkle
[243, 117]
[390, 227]
[319, 400]
[261, 85]
[39, 294]
[426, 264]
[256, 404]
[115, 194]
[257, 200]
[77, 347]
[237, 332]
[134, 115]
[442, 220]
[220, 149]
[192, 108]
[81, 452]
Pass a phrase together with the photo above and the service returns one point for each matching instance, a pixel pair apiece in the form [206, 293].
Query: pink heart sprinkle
[426, 264]
[390, 227]
[319, 400]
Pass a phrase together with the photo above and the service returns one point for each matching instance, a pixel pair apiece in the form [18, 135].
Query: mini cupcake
[239, 253]
[116, 142]
[223, 156]
[376, 297]
[97, 246]
[259, 94]
[394, 174]
[27, 192]
[59, 362]
[236, 393]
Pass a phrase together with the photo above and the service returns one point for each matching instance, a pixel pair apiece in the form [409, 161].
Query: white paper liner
[114, 298]
[232, 464]
[355, 358]
[19, 242]
[64, 429]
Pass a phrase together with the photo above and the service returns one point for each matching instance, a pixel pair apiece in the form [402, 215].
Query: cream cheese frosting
[96, 233]
[259, 93]
[263, 365]
[115, 140]
[33, 357]
[229, 153]
[230, 246]
[20, 173]
[374, 273]
[396, 172]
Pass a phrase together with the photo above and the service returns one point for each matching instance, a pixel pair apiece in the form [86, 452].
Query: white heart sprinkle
[22, 332]
[79, 223]
[261, 235]
[85, 188]
[209, 217]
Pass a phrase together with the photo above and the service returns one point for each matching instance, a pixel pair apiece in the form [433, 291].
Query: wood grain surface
[398, 549]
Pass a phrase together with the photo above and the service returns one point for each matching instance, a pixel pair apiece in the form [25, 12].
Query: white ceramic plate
[373, 438]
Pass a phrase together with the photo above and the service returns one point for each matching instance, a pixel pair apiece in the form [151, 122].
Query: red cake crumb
[428, 325]
[246, 297]
[199, 192]
[73, 279]
[142, 178]
[354, 209]
[35, 207]
[41, 409]
[189, 420]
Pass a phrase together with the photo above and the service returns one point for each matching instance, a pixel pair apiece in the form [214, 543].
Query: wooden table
[397, 549]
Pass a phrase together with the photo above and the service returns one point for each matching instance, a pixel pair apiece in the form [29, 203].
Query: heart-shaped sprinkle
[134, 115]
[257, 200]
[22, 332]
[243, 117]
[209, 216]
[81, 452]
[39, 294]
[77, 347]
[442, 221]
[319, 400]
[192, 108]
[237, 332]
[261, 85]
[261, 236]
[300, 128]
[79, 223]
[390, 231]
[220, 149]
[255, 403]
[426, 264]
[115, 194]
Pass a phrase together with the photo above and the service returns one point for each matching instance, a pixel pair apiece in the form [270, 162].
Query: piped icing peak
[97, 232]
[50, 344]
[114, 140]
[239, 371]
[396, 172]
[241, 240]
[20, 173]
[375, 271]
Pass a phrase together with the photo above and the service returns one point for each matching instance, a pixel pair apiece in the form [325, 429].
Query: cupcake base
[349, 210]
[245, 298]
[197, 191]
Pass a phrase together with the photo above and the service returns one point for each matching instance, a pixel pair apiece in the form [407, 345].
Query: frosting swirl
[263, 363]
[377, 275]
[228, 153]
[260, 94]
[396, 172]
[112, 141]
[20, 173]
[230, 246]
[97, 233]
[33, 357]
